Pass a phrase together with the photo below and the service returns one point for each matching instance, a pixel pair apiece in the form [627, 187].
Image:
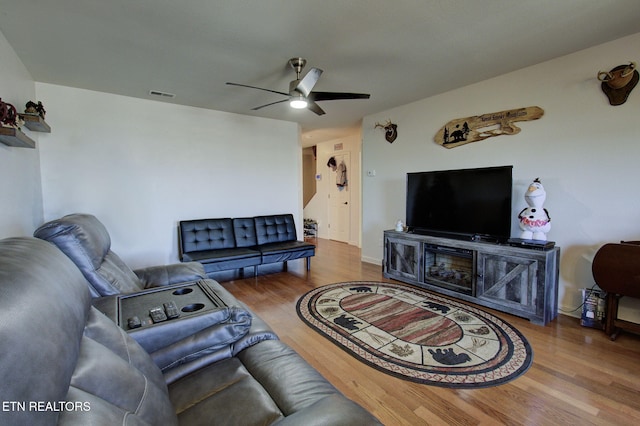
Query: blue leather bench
[236, 243]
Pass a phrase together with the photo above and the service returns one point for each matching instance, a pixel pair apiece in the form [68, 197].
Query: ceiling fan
[300, 90]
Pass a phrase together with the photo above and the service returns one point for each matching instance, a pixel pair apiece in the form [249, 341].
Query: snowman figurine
[534, 220]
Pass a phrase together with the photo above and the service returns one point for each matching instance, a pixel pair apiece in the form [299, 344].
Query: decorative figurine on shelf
[35, 109]
[8, 115]
[534, 220]
[399, 226]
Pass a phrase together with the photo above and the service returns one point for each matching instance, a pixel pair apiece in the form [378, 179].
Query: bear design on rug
[361, 289]
[348, 323]
[447, 357]
[437, 307]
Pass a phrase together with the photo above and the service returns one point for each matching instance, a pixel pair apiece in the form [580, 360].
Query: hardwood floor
[578, 376]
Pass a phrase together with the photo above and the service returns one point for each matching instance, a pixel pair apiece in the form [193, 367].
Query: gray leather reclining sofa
[66, 362]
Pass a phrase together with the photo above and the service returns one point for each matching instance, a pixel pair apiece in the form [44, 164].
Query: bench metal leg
[308, 263]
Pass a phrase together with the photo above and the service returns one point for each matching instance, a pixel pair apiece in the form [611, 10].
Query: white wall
[20, 190]
[141, 166]
[318, 206]
[584, 150]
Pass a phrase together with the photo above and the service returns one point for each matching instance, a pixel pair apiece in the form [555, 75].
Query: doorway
[336, 220]
[339, 205]
[308, 174]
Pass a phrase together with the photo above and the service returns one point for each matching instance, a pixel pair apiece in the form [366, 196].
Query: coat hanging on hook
[341, 172]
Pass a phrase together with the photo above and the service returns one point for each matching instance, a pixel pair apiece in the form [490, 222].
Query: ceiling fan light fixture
[301, 94]
[298, 102]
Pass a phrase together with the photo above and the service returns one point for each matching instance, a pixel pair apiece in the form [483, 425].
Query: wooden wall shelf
[14, 137]
[35, 123]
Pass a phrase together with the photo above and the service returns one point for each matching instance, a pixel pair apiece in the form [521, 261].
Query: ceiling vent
[161, 94]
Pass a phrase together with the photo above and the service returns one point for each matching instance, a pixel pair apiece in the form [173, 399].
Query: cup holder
[183, 291]
[193, 307]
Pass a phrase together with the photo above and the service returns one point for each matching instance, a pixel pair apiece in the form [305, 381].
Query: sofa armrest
[259, 332]
[157, 276]
[204, 342]
[155, 337]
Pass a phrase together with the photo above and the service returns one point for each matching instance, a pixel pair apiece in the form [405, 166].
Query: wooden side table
[616, 270]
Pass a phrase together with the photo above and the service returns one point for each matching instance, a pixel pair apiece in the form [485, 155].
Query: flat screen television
[466, 203]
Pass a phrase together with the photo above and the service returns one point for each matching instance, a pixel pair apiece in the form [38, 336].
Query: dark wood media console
[515, 280]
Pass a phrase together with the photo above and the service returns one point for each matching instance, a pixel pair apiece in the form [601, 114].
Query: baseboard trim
[373, 260]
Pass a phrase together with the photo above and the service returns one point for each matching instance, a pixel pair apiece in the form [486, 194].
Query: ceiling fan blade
[315, 108]
[266, 105]
[259, 88]
[308, 81]
[332, 96]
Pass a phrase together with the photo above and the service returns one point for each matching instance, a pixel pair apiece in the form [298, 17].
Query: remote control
[171, 310]
[134, 322]
[157, 314]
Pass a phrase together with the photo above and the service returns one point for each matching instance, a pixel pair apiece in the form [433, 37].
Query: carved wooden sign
[479, 127]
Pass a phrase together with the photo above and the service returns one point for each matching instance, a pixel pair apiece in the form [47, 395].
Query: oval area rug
[416, 335]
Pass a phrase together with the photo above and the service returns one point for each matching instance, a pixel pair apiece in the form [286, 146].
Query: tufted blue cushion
[245, 232]
[275, 228]
[206, 234]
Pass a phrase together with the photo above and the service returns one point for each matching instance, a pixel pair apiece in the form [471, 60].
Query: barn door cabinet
[518, 281]
[402, 258]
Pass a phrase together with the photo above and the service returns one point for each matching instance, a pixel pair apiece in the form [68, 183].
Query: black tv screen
[465, 203]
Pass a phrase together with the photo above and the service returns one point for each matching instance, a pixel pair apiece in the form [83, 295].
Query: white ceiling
[398, 51]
